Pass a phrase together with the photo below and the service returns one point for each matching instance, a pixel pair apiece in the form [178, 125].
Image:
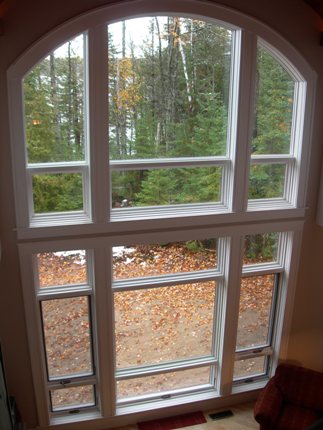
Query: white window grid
[96, 172]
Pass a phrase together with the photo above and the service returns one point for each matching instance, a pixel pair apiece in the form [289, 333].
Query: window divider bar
[142, 164]
[272, 159]
[71, 381]
[166, 280]
[261, 269]
[245, 118]
[54, 293]
[254, 353]
[73, 166]
[155, 369]
[97, 107]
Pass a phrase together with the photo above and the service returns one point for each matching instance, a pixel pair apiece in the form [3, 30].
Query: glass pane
[62, 268]
[60, 192]
[67, 334]
[274, 106]
[163, 324]
[54, 107]
[164, 382]
[260, 248]
[169, 81]
[166, 186]
[153, 260]
[72, 397]
[249, 367]
[256, 302]
[267, 181]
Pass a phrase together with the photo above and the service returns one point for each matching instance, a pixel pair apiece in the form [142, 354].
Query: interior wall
[23, 22]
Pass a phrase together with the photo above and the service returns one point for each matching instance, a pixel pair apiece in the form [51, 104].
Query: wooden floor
[242, 419]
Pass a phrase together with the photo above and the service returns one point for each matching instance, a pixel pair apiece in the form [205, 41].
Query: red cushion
[303, 387]
[296, 418]
[268, 405]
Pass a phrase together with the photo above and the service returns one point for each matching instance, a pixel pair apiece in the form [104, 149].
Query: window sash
[64, 217]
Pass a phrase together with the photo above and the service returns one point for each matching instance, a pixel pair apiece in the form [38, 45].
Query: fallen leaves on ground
[152, 325]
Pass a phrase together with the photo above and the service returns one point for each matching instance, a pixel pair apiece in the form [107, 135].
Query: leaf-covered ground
[153, 325]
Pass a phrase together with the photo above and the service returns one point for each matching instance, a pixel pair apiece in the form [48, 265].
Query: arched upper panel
[219, 132]
[136, 8]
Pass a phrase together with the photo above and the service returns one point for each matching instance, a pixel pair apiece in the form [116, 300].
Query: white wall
[24, 22]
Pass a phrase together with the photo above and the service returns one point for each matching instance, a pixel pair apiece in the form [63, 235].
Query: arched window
[160, 161]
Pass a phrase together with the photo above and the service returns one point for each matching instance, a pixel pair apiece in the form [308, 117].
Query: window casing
[229, 220]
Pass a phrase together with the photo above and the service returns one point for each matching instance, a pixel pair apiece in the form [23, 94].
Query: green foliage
[273, 108]
[158, 188]
[57, 193]
[194, 245]
[261, 247]
[266, 181]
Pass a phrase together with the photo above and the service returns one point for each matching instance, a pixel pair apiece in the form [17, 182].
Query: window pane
[72, 397]
[54, 111]
[153, 260]
[256, 303]
[164, 382]
[267, 181]
[260, 248]
[166, 186]
[163, 324]
[249, 367]
[169, 81]
[66, 325]
[62, 268]
[61, 192]
[274, 106]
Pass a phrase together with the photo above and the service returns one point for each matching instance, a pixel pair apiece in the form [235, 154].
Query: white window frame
[103, 337]
[97, 215]
[101, 228]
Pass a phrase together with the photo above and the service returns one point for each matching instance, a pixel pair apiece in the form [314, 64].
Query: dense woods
[169, 97]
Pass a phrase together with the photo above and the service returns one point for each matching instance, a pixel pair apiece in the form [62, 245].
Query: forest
[169, 92]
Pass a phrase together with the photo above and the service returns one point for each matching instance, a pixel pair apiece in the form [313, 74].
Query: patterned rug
[171, 423]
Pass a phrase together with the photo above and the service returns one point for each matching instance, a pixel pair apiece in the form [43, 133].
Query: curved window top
[159, 116]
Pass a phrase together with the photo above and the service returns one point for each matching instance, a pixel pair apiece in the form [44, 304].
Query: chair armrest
[268, 405]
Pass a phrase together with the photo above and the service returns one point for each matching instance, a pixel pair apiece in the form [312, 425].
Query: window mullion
[247, 52]
[289, 257]
[103, 330]
[228, 298]
[97, 108]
